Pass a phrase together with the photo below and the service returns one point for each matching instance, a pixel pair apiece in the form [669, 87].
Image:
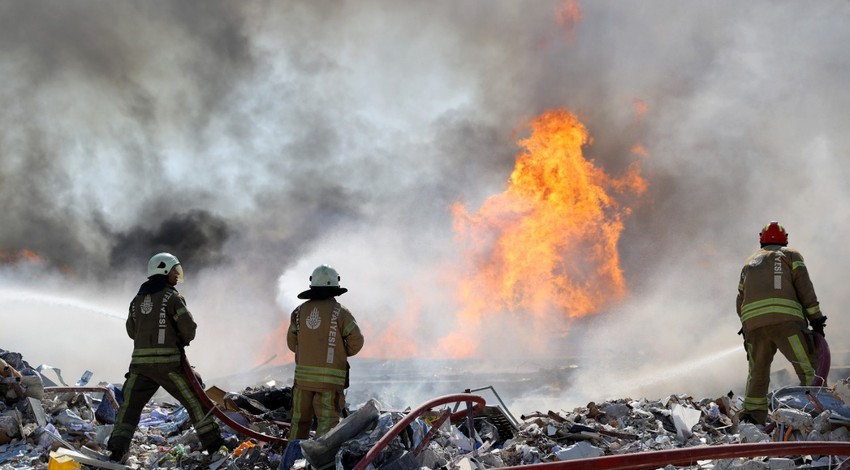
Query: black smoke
[197, 238]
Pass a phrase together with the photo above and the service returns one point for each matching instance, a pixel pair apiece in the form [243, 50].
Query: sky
[256, 140]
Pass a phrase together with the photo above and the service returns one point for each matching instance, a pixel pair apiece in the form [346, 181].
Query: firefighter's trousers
[141, 384]
[794, 342]
[325, 405]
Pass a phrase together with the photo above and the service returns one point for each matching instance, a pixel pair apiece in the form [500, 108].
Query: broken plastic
[684, 418]
[812, 400]
[321, 451]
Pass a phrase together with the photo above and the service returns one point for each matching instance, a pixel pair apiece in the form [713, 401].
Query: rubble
[67, 428]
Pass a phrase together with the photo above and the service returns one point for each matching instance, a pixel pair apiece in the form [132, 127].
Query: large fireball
[545, 250]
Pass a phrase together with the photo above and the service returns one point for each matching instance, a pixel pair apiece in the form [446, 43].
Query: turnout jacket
[774, 288]
[322, 334]
[159, 323]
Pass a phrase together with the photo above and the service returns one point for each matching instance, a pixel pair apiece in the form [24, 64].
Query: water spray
[23, 296]
[662, 374]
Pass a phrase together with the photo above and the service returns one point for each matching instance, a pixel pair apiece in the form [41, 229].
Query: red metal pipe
[690, 455]
[209, 404]
[424, 408]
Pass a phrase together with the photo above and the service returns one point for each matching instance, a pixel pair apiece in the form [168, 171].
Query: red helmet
[773, 234]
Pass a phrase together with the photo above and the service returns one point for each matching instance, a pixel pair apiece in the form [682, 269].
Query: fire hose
[412, 415]
[218, 412]
[690, 455]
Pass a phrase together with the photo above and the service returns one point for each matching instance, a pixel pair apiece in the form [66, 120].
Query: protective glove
[818, 324]
[741, 332]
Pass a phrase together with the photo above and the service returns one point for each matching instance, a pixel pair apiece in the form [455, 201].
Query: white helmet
[163, 263]
[324, 276]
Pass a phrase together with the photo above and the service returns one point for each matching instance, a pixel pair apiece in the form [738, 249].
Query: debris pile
[626, 426]
[45, 426]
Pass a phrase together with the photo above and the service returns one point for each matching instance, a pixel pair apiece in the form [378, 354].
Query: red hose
[824, 360]
[412, 415]
[208, 403]
[690, 455]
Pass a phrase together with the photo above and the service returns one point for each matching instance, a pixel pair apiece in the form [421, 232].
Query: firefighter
[323, 334]
[776, 303]
[161, 326]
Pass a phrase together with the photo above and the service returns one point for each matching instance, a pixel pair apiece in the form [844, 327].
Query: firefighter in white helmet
[323, 334]
[776, 303]
[161, 326]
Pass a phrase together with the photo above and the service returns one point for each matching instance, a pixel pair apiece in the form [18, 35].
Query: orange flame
[640, 106]
[19, 256]
[543, 252]
[568, 17]
[393, 340]
[639, 149]
[274, 349]
[548, 244]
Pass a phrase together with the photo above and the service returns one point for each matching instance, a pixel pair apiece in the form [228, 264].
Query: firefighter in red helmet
[776, 303]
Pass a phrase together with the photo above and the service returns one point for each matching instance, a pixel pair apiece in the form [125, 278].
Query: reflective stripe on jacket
[323, 334]
[774, 288]
[155, 355]
[160, 325]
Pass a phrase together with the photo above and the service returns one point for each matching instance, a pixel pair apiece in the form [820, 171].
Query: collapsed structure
[49, 425]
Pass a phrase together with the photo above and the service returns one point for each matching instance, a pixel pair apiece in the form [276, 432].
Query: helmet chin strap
[180, 277]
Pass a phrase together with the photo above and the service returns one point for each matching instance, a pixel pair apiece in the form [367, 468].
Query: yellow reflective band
[756, 400]
[201, 421]
[319, 379]
[122, 429]
[296, 411]
[772, 301]
[320, 375]
[155, 360]
[325, 419]
[769, 306]
[771, 310]
[320, 370]
[180, 311]
[802, 358]
[144, 352]
[755, 403]
[351, 326]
